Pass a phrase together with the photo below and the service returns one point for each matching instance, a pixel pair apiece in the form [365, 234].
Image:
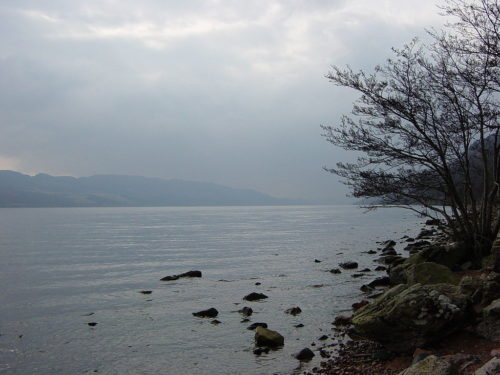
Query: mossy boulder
[267, 337]
[431, 365]
[490, 325]
[450, 255]
[407, 317]
[430, 273]
[425, 273]
[481, 290]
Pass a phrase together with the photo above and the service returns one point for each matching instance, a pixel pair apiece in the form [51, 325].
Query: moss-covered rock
[414, 271]
[407, 317]
[267, 337]
[430, 273]
[490, 324]
[481, 290]
[431, 365]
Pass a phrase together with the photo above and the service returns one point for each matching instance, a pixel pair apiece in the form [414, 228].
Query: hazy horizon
[223, 92]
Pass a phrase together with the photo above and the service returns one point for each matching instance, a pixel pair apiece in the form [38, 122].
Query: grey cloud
[220, 91]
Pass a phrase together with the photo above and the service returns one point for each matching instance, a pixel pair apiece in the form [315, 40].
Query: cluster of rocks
[426, 301]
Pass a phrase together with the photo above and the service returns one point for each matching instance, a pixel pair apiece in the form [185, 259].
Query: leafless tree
[426, 125]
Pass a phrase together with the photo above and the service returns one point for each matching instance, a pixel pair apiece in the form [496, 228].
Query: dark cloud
[223, 91]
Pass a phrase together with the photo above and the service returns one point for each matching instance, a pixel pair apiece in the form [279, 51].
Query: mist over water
[63, 268]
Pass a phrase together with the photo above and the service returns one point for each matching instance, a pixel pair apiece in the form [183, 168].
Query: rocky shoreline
[432, 314]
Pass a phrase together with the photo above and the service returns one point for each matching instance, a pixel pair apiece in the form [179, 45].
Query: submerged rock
[185, 274]
[267, 337]
[246, 311]
[254, 296]
[305, 354]
[260, 351]
[335, 271]
[209, 313]
[349, 265]
[293, 311]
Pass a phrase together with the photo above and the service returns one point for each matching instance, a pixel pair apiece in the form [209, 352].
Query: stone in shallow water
[209, 313]
[293, 311]
[305, 354]
[349, 265]
[269, 338]
[246, 311]
[254, 296]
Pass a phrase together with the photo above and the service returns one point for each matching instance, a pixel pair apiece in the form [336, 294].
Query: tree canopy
[426, 125]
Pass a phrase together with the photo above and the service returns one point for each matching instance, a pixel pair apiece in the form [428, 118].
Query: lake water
[63, 268]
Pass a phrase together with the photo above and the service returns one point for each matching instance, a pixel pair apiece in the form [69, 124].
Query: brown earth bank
[437, 317]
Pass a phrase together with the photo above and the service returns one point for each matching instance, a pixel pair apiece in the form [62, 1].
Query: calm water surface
[63, 268]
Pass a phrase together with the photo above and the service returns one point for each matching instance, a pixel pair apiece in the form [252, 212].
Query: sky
[223, 91]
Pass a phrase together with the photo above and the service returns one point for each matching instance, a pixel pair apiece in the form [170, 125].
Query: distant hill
[43, 190]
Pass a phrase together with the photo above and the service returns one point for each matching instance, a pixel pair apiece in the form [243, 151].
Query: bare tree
[427, 126]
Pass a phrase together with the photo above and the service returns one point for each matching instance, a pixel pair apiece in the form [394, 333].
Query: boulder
[209, 313]
[305, 354]
[481, 290]
[431, 365]
[254, 296]
[349, 265]
[492, 367]
[267, 337]
[407, 317]
[293, 311]
[489, 327]
[430, 273]
[335, 270]
[450, 255]
[415, 270]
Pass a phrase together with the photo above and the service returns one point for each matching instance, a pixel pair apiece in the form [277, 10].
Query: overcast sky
[224, 91]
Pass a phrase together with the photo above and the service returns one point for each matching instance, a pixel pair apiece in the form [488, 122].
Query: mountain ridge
[43, 190]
